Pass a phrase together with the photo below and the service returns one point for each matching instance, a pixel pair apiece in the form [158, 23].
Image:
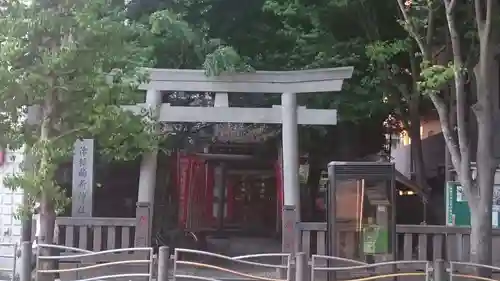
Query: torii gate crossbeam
[224, 114]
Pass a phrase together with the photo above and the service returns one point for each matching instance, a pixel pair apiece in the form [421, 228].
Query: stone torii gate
[287, 83]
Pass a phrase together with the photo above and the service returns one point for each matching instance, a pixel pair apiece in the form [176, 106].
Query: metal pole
[14, 261]
[290, 151]
[394, 241]
[331, 217]
[28, 167]
[27, 220]
[163, 260]
[301, 267]
[439, 270]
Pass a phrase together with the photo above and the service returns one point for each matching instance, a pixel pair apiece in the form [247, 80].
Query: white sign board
[83, 178]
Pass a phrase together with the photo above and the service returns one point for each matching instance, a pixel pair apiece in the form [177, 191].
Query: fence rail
[414, 242]
[81, 264]
[320, 268]
[369, 271]
[216, 264]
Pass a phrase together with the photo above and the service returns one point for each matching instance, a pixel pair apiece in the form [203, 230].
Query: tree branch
[450, 139]
[479, 16]
[414, 72]
[410, 27]
[69, 132]
[488, 21]
[462, 167]
[451, 6]
[430, 30]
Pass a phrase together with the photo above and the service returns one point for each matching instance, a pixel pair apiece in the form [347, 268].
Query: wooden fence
[431, 242]
[96, 234]
[414, 242]
[99, 236]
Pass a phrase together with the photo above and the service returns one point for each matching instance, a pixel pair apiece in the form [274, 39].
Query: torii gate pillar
[147, 181]
[290, 145]
[147, 175]
[286, 83]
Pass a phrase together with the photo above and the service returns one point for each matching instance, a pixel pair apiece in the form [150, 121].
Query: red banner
[195, 192]
[278, 170]
[230, 199]
[209, 193]
[183, 181]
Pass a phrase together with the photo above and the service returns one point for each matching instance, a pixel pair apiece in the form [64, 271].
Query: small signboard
[83, 178]
[457, 208]
[375, 239]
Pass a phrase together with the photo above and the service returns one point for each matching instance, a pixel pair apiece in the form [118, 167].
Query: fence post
[26, 253]
[439, 272]
[14, 261]
[301, 267]
[163, 262]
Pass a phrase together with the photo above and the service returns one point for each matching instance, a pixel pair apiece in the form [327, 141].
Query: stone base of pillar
[143, 224]
[289, 231]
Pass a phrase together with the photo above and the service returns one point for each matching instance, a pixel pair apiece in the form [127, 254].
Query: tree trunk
[47, 220]
[481, 197]
[47, 207]
[480, 238]
[479, 193]
[481, 202]
[47, 224]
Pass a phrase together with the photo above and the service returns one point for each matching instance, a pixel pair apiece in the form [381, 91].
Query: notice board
[457, 209]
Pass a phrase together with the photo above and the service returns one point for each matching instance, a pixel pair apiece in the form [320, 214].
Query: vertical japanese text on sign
[83, 162]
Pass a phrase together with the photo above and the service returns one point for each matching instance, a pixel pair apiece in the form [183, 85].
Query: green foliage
[225, 59]
[194, 49]
[287, 35]
[77, 62]
[417, 11]
[58, 59]
[171, 26]
[435, 77]
[282, 35]
[317, 37]
[383, 52]
[390, 63]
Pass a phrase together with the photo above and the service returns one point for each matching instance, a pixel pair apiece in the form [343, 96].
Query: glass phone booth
[361, 218]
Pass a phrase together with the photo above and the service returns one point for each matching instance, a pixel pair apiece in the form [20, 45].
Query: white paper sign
[83, 178]
[496, 198]
[460, 194]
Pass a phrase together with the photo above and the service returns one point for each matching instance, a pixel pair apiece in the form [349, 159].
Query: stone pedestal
[143, 225]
